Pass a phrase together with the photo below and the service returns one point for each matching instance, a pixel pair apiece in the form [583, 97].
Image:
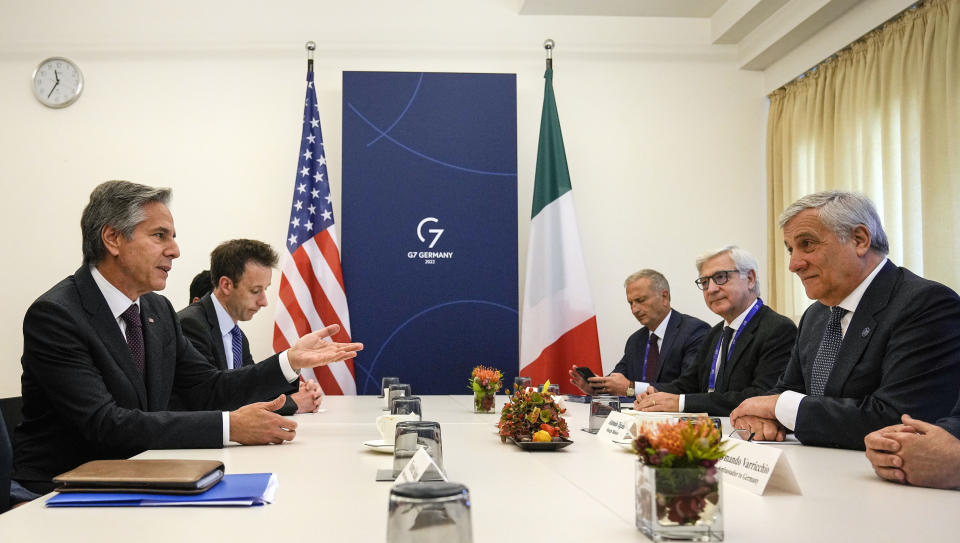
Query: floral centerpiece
[484, 382]
[533, 415]
[678, 487]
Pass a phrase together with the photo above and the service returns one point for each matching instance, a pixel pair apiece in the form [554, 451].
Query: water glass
[520, 383]
[385, 385]
[407, 405]
[600, 408]
[411, 436]
[431, 512]
[395, 391]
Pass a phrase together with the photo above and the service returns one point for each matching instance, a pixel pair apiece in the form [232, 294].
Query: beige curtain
[882, 117]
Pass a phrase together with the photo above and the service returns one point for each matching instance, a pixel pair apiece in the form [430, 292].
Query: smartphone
[585, 372]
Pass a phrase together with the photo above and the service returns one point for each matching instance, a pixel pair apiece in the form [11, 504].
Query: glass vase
[483, 401]
[679, 504]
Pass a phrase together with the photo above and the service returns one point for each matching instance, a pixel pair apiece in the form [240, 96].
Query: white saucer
[379, 446]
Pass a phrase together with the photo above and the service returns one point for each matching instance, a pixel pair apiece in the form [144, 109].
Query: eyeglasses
[743, 432]
[719, 278]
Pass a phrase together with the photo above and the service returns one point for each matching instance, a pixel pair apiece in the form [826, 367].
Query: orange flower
[486, 375]
[670, 438]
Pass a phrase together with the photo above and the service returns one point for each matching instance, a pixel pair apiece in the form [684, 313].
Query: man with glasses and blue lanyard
[742, 356]
[657, 352]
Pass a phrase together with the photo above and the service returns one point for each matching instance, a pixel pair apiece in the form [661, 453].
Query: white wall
[664, 135]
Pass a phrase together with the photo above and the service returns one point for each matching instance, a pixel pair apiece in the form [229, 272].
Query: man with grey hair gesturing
[102, 355]
[878, 342]
[742, 356]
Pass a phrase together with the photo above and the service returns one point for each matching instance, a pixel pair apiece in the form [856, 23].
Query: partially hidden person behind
[200, 286]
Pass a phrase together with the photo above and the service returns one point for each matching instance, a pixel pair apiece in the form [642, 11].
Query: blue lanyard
[716, 353]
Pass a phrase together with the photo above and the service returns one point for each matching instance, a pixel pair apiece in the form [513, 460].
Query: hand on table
[915, 452]
[309, 397]
[657, 401]
[257, 424]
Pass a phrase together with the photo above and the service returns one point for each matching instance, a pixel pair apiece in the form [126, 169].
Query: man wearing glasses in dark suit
[742, 356]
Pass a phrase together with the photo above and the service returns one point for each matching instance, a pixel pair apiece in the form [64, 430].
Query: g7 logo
[436, 231]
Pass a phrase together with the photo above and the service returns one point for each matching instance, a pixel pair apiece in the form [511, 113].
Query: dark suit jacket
[951, 423]
[83, 398]
[200, 325]
[759, 356]
[900, 354]
[678, 349]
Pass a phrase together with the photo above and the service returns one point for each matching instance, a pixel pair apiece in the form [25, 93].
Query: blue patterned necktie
[134, 335]
[653, 360]
[237, 346]
[827, 352]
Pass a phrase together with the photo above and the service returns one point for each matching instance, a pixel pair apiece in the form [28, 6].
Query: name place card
[417, 466]
[757, 467]
[618, 427]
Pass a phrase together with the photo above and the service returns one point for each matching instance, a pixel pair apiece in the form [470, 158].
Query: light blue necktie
[237, 346]
[827, 352]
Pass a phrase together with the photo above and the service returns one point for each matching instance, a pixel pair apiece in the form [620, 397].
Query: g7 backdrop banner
[429, 219]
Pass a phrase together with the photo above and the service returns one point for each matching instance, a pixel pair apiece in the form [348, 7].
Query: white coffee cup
[387, 426]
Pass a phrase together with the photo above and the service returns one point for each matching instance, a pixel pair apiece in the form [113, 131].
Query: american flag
[311, 283]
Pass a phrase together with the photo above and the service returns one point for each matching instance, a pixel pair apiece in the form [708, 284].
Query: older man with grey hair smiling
[742, 356]
[878, 342]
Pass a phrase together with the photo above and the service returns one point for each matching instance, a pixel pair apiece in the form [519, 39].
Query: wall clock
[57, 82]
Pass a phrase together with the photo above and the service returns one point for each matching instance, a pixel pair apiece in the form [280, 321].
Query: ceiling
[763, 30]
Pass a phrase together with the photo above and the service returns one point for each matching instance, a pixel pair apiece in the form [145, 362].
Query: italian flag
[559, 324]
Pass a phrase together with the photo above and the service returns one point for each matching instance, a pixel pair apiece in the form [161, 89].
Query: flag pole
[549, 45]
[310, 46]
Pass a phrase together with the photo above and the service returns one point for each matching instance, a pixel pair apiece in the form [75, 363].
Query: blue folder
[243, 489]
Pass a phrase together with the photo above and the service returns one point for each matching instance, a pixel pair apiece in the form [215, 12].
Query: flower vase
[679, 504]
[483, 401]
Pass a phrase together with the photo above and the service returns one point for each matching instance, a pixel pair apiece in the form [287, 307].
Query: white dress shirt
[226, 328]
[788, 404]
[118, 302]
[735, 325]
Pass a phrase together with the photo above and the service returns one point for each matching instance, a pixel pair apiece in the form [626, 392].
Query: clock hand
[54, 88]
[55, 74]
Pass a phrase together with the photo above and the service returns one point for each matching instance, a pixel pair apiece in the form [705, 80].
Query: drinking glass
[407, 405]
[411, 436]
[431, 512]
[600, 408]
[395, 391]
[385, 385]
[520, 383]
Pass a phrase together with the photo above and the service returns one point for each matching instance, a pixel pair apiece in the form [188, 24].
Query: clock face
[57, 82]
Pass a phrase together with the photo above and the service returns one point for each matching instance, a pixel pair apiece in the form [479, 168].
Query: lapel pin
[865, 332]
[150, 320]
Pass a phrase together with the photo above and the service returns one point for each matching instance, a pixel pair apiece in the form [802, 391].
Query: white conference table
[584, 492]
